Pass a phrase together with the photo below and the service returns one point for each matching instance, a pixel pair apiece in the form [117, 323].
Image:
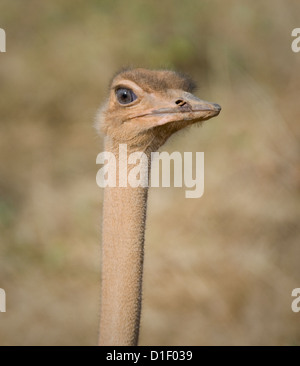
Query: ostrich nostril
[180, 102]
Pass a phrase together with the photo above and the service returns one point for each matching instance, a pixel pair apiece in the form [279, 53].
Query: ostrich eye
[125, 96]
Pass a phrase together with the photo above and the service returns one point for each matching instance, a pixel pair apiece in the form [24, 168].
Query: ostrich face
[146, 106]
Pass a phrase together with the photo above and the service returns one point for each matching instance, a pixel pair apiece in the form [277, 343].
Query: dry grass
[218, 270]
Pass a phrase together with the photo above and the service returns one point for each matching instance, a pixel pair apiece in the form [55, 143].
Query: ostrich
[144, 108]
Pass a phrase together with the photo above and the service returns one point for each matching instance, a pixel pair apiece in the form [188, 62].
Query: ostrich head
[145, 107]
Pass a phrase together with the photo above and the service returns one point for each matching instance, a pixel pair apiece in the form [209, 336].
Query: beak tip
[217, 107]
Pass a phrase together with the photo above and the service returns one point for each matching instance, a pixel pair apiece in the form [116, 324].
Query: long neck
[124, 215]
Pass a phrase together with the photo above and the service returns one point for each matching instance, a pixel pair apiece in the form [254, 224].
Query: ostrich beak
[186, 108]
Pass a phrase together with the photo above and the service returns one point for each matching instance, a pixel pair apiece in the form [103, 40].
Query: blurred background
[219, 270]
